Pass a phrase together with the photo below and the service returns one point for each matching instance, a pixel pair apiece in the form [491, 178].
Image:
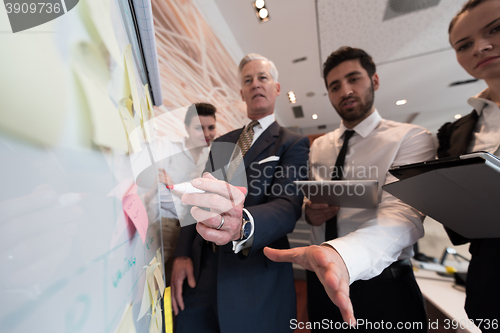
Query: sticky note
[33, 87]
[167, 308]
[156, 323]
[159, 258]
[146, 300]
[144, 122]
[159, 280]
[127, 322]
[101, 15]
[151, 282]
[150, 106]
[130, 128]
[129, 64]
[92, 72]
[134, 208]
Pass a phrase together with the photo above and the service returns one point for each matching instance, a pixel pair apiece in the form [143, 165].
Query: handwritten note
[134, 208]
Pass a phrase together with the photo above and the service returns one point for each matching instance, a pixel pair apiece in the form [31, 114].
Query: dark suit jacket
[254, 293]
[483, 290]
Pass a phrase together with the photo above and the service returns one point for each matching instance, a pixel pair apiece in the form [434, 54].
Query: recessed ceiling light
[259, 4]
[292, 97]
[263, 13]
[458, 116]
[401, 102]
[315, 116]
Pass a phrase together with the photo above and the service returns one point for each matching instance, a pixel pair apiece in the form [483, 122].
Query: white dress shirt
[486, 136]
[179, 164]
[371, 239]
[258, 129]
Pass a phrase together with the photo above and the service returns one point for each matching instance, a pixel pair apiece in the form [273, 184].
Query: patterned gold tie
[244, 142]
[246, 137]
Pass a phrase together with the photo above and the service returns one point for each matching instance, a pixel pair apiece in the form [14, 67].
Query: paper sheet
[93, 74]
[146, 300]
[159, 258]
[100, 14]
[159, 280]
[125, 109]
[150, 107]
[152, 285]
[155, 325]
[134, 208]
[127, 323]
[33, 87]
[132, 81]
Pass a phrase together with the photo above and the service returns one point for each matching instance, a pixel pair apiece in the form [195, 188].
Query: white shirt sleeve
[395, 227]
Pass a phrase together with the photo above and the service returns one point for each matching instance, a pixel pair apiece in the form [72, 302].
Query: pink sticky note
[134, 209]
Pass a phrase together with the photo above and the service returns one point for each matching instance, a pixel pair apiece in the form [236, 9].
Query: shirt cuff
[246, 243]
[353, 260]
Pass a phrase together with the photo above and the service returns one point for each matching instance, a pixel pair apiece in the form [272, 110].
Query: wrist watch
[246, 226]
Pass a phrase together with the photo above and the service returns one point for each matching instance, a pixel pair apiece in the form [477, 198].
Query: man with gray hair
[221, 280]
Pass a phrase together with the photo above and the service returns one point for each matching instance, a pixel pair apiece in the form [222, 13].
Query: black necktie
[331, 224]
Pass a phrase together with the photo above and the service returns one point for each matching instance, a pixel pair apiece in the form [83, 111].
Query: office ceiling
[407, 39]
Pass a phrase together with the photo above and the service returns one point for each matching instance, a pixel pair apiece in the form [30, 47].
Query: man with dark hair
[368, 249]
[221, 280]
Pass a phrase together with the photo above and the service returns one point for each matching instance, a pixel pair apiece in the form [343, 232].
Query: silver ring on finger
[221, 223]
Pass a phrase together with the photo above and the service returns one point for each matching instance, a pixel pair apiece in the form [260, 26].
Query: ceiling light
[315, 116]
[261, 10]
[263, 13]
[259, 4]
[401, 102]
[292, 97]
[458, 116]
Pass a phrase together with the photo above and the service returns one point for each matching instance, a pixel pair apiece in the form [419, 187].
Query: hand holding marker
[188, 188]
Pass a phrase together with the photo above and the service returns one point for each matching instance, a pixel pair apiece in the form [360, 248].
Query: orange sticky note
[134, 209]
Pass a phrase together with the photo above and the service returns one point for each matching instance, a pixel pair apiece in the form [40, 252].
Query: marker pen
[185, 188]
[189, 188]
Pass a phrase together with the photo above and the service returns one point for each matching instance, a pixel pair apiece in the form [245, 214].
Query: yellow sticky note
[144, 123]
[32, 87]
[127, 323]
[159, 258]
[167, 308]
[130, 128]
[156, 323]
[151, 281]
[159, 280]
[150, 106]
[129, 64]
[102, 16]
[93, 74]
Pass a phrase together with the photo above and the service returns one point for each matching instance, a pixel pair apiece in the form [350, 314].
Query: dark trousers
[390, 301]
[483, 289]
[200, 313]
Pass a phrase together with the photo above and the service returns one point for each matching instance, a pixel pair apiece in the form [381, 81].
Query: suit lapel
[267, 138]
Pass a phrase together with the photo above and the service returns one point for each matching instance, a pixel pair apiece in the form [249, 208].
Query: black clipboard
[460, 192]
